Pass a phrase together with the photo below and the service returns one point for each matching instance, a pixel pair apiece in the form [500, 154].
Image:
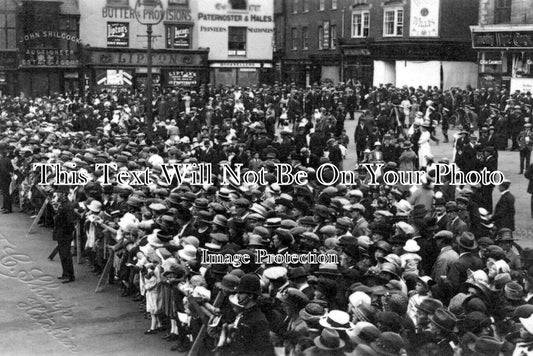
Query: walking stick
[203, 330]
[38, 217]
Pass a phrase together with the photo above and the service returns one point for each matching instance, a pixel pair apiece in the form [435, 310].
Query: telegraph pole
[149, 113]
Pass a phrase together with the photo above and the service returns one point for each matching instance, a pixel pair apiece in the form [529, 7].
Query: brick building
[410, 42]
[503, 40]
[402, 42]
[8, 46]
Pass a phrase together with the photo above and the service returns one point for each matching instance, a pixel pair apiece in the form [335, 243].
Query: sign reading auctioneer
[424, 18]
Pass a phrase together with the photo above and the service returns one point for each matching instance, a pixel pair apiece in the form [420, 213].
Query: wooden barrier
[198, 342]
[39, 214]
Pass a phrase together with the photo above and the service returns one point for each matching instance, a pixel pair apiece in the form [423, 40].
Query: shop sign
[490, 62]
[522, 84]
[181, 78]
[503, 40]
[49, 57]
[236, 65]
[180, 37]
[41, 35]
[140, 58]
[424, 18]
[118, 34]
[326, 34]
[127, 13]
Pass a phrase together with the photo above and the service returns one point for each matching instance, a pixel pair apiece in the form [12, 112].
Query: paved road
[38, 315]
[508, 163]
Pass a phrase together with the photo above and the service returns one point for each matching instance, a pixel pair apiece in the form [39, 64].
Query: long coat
[504, 212]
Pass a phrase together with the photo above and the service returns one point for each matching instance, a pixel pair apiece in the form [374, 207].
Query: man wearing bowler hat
[467, 260]
[249, 333]
[63, 229]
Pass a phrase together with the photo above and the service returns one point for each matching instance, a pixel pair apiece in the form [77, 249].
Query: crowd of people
[419, 270]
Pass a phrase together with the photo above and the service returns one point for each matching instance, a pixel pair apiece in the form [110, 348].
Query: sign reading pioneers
[139, 58]
[118, 34]
[181, 78]
[424, 18]
[502, 40]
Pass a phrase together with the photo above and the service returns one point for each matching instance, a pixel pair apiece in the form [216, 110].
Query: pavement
[39, 315]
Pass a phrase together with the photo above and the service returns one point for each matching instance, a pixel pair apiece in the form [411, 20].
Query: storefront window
[490, 62]
[522, 65]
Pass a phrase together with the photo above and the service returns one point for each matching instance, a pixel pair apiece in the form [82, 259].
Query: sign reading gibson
[140, 58]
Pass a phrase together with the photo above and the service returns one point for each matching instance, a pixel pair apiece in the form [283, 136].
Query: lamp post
[149, 13]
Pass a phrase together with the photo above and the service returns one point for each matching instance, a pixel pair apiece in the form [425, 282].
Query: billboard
[424, 18]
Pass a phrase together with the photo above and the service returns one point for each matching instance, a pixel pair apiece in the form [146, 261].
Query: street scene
[266, 177]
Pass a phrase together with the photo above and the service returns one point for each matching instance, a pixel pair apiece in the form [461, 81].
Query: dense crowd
[418, 270]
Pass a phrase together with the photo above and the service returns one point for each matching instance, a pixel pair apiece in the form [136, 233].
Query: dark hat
[329, 340]
[297, 272]
[230, 283]
[444, 319]
[504, 234]
[513, 291]
[419, 211]
[429, 305]
[451, 206]
[250, 283]
[445, 235]
[312, 312]
[486, 346]
[295, 298]
[467, 241]
[388, 344]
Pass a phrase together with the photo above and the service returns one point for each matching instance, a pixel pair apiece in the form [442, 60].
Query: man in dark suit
[529, 176]
[361, 138]
[504, 211]
[468, 260]
[454, 222]
[6, 170]
[63, 229]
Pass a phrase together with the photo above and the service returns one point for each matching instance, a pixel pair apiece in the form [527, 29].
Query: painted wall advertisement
[326, 34]
[179, 37]
[424, 18]
[118, 34]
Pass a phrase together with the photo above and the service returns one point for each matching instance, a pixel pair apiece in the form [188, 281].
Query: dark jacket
[252, 336]
[64, 223]
[458, 270]
[504, 212]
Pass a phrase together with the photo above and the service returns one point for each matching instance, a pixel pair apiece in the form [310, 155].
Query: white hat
[187, 253]
[95, 206]
[411, 246]
[528, 324]
[358, 298]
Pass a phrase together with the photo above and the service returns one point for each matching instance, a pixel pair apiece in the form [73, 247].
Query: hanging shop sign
[178, 37]
[326, 34]
[424, 18]
[114, 77]
[502, 40]
[118, 34]
[182, 78]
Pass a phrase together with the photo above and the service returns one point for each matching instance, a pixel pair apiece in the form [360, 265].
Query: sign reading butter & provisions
[182, 78]
[424, 18]
[118, 34]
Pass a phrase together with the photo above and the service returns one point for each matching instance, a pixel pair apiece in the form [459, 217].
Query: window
[295, 4]
[178, 2]
[333, 4]
[502, 11]
[393, 22]
[238, 4]
[333, 35]
[237, 41]
[294, 38]
[178, 36]
[305, 38]
[320, 37]
[360, 24]
[306, 5]
[321, 5]
[360, 2]
[7, 26]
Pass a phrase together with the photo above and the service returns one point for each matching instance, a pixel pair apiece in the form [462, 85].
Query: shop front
[128, 68]
[8, 73]
[244, 74]
[505, 56]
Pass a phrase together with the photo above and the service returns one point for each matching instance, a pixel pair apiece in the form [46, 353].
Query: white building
[239, 35]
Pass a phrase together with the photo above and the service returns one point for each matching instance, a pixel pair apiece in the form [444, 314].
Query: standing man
[249, 333]
[504, 211]
[360, 138]
[6, 170]
[529, 176]
[525, 143]
[63, 229]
